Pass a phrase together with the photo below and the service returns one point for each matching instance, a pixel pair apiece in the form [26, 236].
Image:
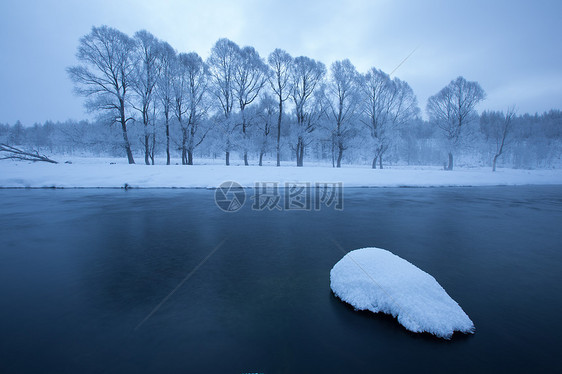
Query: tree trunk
[300, 152]
[244, 136]
[167, 141]
[189, 157]
[227, 158]
[279, 132]
[127, 144]
[124, 128]
[183, 147]
[494, 162]
[332, 152]
[146, 147]
[340, 155]
[297, 152]
[374, 164]
[380, 162]
[450, 166]
[261, 159]
[153, 147]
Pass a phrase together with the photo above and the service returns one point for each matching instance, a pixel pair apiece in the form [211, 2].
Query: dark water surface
[81, 269]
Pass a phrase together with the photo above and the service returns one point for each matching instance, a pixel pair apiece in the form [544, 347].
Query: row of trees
[236, 101]
[144, 80]
[532, 141]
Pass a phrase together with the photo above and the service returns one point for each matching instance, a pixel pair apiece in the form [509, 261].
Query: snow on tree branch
[8, 152]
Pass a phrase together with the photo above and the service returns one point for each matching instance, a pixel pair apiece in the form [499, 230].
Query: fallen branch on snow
[8, 152]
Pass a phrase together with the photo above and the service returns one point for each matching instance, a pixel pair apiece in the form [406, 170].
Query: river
[115, 281]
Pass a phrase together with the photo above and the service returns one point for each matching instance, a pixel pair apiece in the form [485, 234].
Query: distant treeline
[535, 142]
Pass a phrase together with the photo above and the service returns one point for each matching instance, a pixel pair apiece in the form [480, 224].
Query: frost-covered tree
[180, 101]
[222, 64]
[342, 102]
[280, 63]
[147, 73]
[306, 76]
[266, 112]
[387, 105]
[196, 76]
[105, 75]
[164, 88]
[250, 76]
[453, 108]
[17, 134]
[497, 128]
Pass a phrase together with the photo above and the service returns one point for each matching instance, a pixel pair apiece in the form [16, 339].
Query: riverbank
[113, 173]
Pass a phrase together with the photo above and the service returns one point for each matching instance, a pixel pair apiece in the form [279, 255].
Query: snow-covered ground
[375, 279]
[108, 172]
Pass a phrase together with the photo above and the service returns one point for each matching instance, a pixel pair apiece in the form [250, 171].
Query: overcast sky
[511, 48]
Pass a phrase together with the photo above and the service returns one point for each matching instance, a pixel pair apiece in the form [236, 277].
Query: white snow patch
[375, 279]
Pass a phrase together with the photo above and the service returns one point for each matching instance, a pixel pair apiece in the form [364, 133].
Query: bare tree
[146, 76]
[222, 64]
[250, 75]
[453, 108]
[197, 76]
[280, 63]
[497, 128]
[106, 74]
[387, 105]
[342, 98]
[306, 75]
[164, 88]
[180, 103]
[265, 113]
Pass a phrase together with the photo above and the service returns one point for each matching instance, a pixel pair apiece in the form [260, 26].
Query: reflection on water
[79, 269]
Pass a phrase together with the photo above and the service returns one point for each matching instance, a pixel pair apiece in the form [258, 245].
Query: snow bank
[375, 279]
[86, 173]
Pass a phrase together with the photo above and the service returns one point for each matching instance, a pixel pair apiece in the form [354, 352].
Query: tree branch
[8, 152]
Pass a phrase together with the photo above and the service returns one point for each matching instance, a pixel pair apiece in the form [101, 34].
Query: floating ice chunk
[375, 279]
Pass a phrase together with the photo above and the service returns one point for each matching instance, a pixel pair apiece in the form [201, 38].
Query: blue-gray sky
[512, 48]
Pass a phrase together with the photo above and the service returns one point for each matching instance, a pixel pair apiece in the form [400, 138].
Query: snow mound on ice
[375, 279]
